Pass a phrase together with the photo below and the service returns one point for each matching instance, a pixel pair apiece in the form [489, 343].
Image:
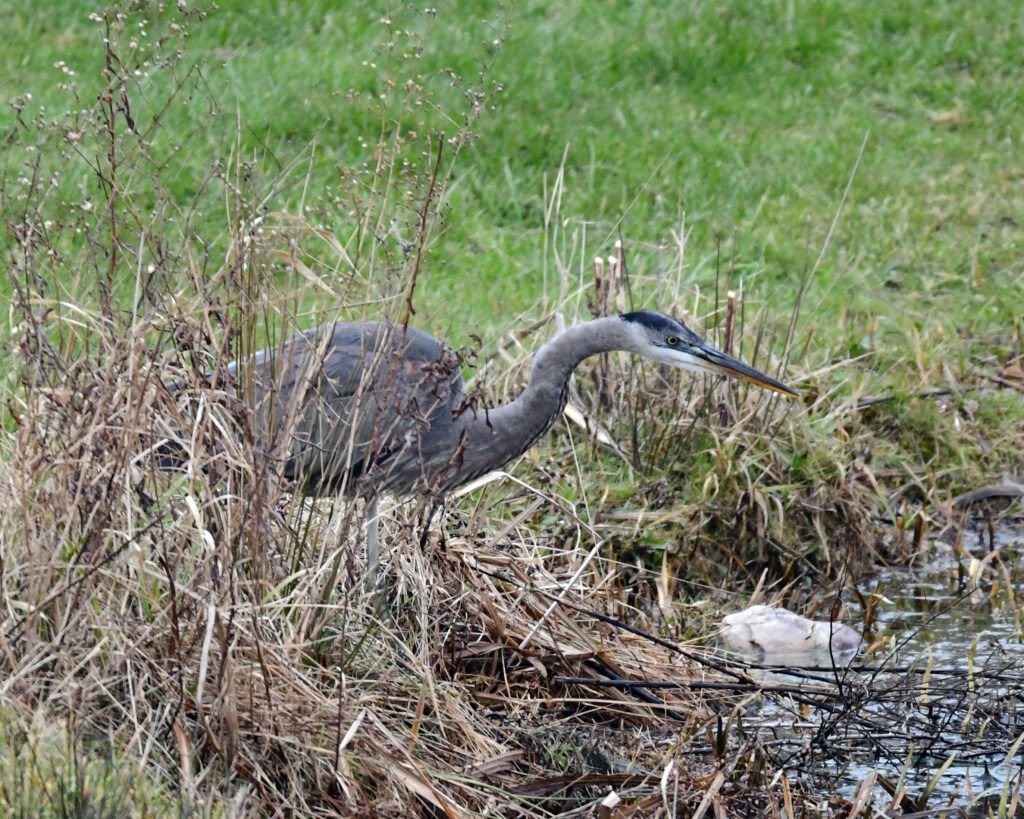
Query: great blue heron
[365, 407]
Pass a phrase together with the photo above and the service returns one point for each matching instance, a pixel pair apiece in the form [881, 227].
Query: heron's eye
[672, 341]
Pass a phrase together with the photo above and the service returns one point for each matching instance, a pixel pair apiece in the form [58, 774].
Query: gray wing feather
[365, 403]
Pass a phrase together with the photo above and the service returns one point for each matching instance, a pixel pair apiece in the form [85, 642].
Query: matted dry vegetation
[214, 631]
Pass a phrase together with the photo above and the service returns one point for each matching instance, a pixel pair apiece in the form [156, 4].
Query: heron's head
[668, 340]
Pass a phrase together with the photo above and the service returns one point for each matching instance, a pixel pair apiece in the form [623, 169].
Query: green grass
[747, 117]
[47, 771]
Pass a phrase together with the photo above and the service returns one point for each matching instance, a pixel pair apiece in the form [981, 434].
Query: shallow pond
[935, 707]
[955, 617]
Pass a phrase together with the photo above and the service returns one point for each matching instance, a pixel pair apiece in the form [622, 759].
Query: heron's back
[360, 404]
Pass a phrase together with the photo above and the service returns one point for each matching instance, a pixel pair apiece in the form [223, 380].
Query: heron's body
[369, 402]
[379, 405]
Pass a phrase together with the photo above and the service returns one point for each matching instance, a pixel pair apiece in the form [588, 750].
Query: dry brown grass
[214, 629]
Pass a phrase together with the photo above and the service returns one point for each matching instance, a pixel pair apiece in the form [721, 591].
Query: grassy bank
[184, 187]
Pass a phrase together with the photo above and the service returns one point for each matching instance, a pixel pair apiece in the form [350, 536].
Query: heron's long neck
[500, 434]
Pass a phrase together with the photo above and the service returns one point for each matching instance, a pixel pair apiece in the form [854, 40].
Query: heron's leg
[426, 526]
[372, 545]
